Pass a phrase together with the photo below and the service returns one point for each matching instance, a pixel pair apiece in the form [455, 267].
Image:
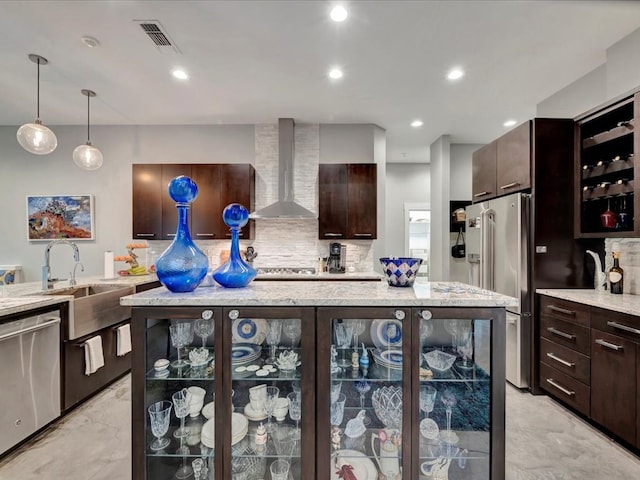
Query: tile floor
[544, 442]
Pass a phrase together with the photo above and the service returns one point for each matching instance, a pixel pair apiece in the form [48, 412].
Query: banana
[137, 270]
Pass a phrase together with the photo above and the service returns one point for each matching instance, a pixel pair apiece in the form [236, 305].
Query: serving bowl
[400, 271]
[387, 404]
[439, 360]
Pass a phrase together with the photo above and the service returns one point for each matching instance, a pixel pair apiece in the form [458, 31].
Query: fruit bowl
[387, 403]
[400, 271]
[439, 360]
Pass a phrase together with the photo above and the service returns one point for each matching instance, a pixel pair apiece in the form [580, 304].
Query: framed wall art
[51, 217]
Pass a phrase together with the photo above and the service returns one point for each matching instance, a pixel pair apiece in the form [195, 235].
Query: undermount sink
[94, 307]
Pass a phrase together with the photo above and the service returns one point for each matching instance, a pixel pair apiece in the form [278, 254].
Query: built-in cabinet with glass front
[282, 393]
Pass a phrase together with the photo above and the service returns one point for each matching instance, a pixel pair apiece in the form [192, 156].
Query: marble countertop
[326, 293]
[625, 303]
[321, 276]
[22, 297]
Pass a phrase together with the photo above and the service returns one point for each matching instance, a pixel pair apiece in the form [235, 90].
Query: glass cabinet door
[270, 386]
[453, 394]
[179, 382]
[363, 380]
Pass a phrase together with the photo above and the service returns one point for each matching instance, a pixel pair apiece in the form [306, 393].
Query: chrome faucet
[599, 277]
[47, 281]
[250, 254]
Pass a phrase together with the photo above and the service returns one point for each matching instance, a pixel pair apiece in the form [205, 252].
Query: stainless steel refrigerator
[497, 249]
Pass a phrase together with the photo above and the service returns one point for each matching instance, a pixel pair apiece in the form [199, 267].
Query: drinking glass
[337, 410]
[343, 339]
[449, 400]
[159, 415]
[362, 387]
[336, 387]
[279, 470]
[273, 334]
[181, 335]
[292, 329]
[427, 399]
[181, 407]
[270, 403]
[465, 345]
[295, 409]
[358, 326]
[204, 327]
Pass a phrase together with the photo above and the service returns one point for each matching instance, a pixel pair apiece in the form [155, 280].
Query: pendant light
[87, 156]
[35, 137]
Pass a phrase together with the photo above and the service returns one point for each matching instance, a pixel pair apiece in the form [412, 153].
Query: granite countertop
[22, 297]
[625, 303]
[325, 293]
[321, 276]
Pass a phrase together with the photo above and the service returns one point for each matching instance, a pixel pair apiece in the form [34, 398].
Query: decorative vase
[182, 266]
[235, 272]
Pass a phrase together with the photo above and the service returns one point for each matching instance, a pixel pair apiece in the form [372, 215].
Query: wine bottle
[616, 275]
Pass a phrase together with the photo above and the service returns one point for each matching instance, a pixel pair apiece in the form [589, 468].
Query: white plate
[388, 358]
[249, 330]
[239, 424]
[244, 352]
[209, 410]
[363, 467]
[253, 415]
[386, 333]
[429, 429]
[253, 368]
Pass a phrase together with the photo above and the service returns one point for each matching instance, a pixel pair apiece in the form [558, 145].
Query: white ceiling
[256, 61]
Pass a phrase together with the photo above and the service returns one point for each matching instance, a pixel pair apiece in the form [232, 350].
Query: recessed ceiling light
[90, 42]
[335, 73]
[339, 13]
[180, 74]
[455, 73]
[416, 123]
[509, 123]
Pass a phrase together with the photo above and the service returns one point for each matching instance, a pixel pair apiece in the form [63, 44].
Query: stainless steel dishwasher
[29, 376]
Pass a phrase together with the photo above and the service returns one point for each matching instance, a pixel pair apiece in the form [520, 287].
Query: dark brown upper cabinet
[237, 185]
[147, 201]
[513, 160]
[484, 172]
[347, 201]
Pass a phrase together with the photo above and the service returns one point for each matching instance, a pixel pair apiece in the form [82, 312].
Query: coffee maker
[337, 258]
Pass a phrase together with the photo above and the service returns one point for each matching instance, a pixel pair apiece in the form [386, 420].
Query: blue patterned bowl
[401, 271]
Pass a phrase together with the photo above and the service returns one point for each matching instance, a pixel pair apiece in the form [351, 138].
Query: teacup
[195, 400]
[281, 409]
[258, 397]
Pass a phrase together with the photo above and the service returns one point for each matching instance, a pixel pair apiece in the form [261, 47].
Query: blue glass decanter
[182, 266]
[235, 272]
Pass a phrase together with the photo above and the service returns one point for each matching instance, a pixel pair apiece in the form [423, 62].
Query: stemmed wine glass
[295, 409]
[449, 400]
[362, 387]
[270, 403]
[292, 330]
[343, 339]
[465, 345]
[204, 327]
[181, 336]
[181, 407]
[358, 326]
[159, 415]
[427, 399]
[273, 334]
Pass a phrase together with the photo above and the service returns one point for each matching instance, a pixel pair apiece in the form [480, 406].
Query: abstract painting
[52, 217]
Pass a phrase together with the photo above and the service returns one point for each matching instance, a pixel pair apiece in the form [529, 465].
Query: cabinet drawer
[625, 326]
[566, 360]
[565, 388]
[567, 334]
[565, 310]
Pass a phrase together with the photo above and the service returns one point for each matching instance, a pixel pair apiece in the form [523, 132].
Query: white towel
[124, 340]
[93, 356]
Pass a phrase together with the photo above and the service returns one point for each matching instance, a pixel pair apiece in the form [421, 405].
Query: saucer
[429, 429]
[252, 415]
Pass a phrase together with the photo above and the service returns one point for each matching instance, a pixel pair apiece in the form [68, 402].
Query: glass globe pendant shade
[88, 157]
[37, 138]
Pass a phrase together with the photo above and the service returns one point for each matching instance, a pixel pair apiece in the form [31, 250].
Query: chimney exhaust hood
[285, 207]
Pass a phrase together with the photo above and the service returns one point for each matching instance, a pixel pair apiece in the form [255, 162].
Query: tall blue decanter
[235, 272]
[182, 266]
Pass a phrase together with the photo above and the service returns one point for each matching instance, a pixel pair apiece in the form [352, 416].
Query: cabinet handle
[363, 234]
[612, 346]
[481, 194]
[626, 328]
[560, 333]
[171, 234]
[205, 234]
[145, 234]
[560, 360]
[332, 234]
[551, 382]
[562, 310]
[240, 234]
[509, 185]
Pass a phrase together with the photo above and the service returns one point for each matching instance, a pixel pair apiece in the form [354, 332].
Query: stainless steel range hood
[285, 207]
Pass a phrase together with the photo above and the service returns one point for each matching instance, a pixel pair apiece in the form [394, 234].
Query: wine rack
[606, 151]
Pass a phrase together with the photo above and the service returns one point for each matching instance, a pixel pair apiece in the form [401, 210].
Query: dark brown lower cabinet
[613, 371]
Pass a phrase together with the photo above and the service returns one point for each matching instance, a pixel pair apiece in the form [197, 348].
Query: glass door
[455, 396]
[270, 387]
[363, 380]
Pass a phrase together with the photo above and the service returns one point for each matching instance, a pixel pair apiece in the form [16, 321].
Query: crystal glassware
[449, 400]
[203, 327]
[180, 333]
[159, 416]
[292, 330]
[337, 410]
[358, 325]
[181, 408]
[362, 387]
[387, 403]
[343, 339]
[295, 410]
[427, 399]
[280, 470]
[273, 334]
[182, 266]
[270, 403]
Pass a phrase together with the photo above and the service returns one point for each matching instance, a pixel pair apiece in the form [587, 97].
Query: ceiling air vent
[158, 35]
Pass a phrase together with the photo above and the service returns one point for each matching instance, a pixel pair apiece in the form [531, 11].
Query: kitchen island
[420, 395]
